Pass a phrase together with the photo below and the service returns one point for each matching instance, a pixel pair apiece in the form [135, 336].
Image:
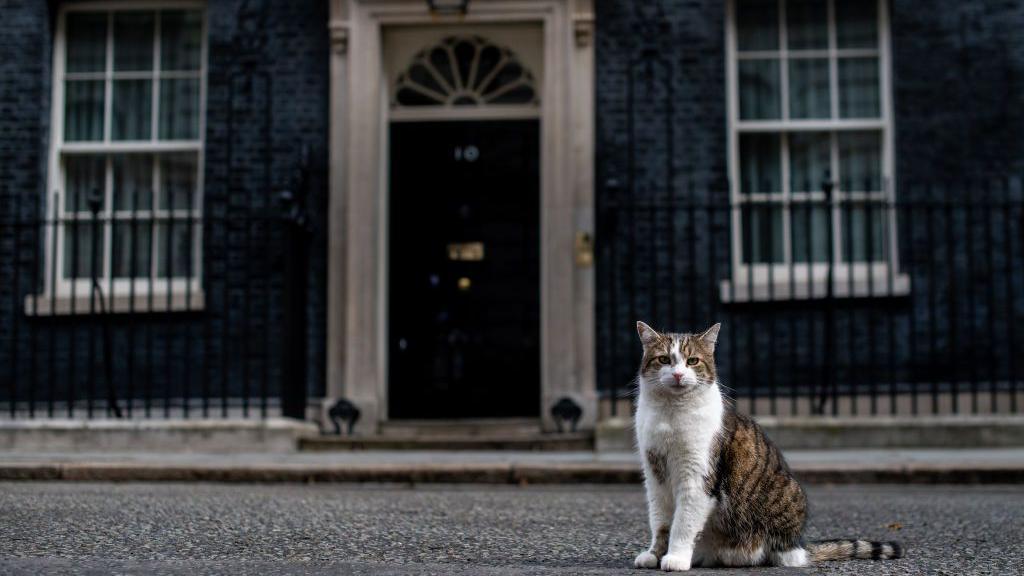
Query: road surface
[198, 529]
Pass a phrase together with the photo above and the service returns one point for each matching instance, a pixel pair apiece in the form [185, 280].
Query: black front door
[464, 291]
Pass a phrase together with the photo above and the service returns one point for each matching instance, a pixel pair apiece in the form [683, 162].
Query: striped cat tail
[825, 550]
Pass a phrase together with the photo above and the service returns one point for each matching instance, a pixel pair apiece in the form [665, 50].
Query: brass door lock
[584, 249]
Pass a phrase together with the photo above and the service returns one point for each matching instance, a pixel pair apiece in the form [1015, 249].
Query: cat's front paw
[646, 559]
[675, 563]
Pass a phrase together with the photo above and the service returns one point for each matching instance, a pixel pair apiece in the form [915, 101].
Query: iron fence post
[829, 383]
[96, 294]
[296, 266]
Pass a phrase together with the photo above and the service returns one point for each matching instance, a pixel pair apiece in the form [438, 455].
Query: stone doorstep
[462, 427]
[827, 432]
[576, 441]
[177, 435]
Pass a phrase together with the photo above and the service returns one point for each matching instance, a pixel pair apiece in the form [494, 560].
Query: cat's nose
[678, 376]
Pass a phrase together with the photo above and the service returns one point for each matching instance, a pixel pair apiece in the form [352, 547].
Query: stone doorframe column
[356, 299]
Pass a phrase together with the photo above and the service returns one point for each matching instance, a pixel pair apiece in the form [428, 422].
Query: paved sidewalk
[995, 465]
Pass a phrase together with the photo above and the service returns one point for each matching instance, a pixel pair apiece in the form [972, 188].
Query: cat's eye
[664, 359]
[692, 361]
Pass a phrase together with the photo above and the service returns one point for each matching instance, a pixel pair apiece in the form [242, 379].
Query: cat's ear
[710, 336]
[647, 334]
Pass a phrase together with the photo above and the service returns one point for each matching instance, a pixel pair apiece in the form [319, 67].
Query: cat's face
[678, 363]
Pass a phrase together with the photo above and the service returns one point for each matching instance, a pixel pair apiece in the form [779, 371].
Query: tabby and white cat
[719, 493]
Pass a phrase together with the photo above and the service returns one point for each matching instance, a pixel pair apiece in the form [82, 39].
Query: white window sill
[82, 304]
[740, 289]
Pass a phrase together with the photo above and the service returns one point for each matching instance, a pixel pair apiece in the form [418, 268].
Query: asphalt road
[197, 529]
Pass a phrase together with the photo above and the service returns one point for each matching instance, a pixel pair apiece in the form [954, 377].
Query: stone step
[537, 442]
[466, 427]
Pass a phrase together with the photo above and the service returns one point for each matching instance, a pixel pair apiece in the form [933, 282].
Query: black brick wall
[24, 126]
[958, 72]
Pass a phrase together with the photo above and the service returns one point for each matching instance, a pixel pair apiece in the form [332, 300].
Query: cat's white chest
[659, 430]
[682, 435]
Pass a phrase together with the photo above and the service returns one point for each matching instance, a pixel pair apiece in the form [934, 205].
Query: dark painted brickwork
[268, 87]
[24, 126]
[958, 72]
[267, 101]
[675, 57]
[958, 69]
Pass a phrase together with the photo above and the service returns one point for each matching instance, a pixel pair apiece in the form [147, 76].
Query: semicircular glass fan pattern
[465, 71]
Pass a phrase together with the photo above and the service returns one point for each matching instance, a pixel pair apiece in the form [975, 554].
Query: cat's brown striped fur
[766, 507]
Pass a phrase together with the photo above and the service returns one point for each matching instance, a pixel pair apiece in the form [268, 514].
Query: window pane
[131, 110]
[84, 177]
[807, 24]
[858, 88]
[175, 235]
[180, 40]
[133, 40]
[133, 181]
[131, 244]
[177, 181]
[809, 161]
[759, 89]
[864, 232]
[79, 249]
[757, 25]
[83, 110]
[86, 41]
[179, 109]
[760, 163]
[809, 88]
[860, 161]
[856, 24]
[810, 226]
[762, 233]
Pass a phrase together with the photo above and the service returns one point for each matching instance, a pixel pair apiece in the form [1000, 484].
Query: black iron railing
[849, 304]
[140, 312]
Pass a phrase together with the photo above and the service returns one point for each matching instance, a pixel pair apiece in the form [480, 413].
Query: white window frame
[140, 294]
[786, 280]
[403, 46]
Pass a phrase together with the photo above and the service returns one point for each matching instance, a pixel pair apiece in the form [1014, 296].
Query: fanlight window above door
[465, 71]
